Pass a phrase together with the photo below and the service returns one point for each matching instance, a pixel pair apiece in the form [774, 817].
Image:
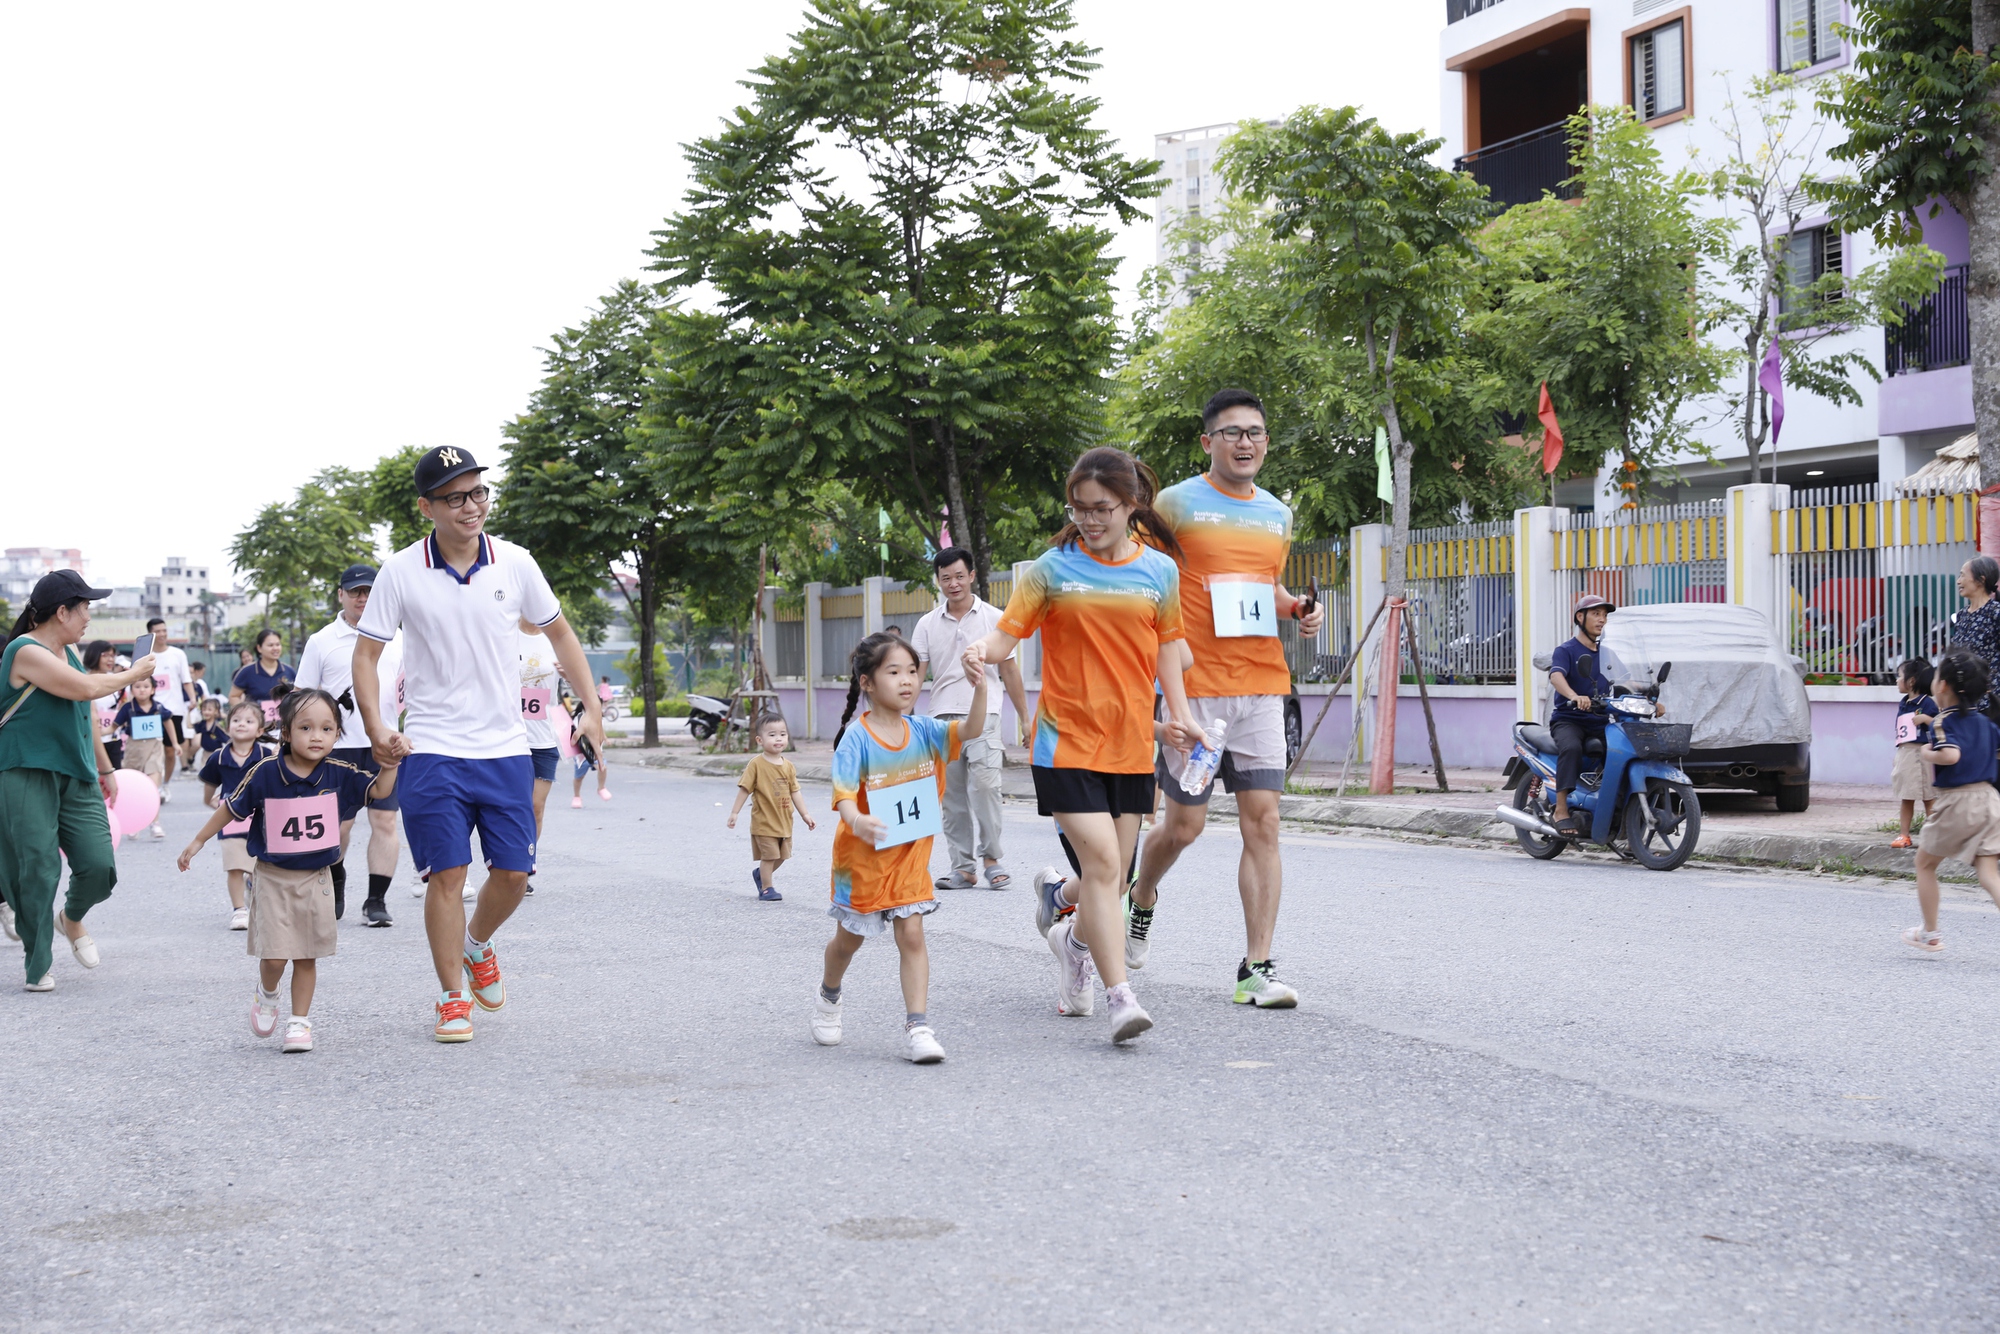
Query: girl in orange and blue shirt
[888, 788]
[1109, 611]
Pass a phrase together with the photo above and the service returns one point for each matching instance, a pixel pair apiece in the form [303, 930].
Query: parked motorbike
[705, 715]
[1635, 801]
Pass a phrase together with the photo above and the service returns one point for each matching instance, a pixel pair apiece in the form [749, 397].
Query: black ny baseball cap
[357, 576]
[440, 465]
[52, 590]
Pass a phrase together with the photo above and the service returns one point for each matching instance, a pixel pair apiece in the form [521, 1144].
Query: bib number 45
[299, 830]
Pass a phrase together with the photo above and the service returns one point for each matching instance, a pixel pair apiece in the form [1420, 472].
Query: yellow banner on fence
[1663, 542]
[1455, 557]
[1913, 521]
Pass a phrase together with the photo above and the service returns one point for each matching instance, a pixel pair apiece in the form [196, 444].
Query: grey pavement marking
[1518, 1095]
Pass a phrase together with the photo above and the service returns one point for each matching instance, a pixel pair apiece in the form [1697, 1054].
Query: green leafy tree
[1919, 111]
[584, 493]
[387, 494]
[911, 286]
[1384, 261]
[1605, 299]
[1242, 323]
[293, 553]
[1760, 178]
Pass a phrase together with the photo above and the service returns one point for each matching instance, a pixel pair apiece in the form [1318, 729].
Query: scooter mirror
[1661, 679]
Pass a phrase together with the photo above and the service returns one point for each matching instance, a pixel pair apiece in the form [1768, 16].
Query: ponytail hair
[1134, 484]
[1967, 675]
[32, 616]
[866, 660]
[293, 702]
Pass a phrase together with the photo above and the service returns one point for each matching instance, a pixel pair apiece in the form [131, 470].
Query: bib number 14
[1243, 607]
[908, 812]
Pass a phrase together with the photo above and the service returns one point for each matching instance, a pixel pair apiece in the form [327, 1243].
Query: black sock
[915, 1018]
[378, 887]
[827, 993]
[1243, 970]
[340, 877]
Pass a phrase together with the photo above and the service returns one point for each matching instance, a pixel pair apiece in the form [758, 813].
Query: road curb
[1844, 854]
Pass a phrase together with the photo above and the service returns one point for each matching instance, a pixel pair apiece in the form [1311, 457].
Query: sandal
[1568, 827]
[997, 878]
[956, 881]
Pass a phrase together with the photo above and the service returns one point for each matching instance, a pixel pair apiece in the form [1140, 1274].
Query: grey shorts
[1253, 750]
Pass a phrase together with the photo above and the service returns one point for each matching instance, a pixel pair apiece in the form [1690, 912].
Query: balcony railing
[1454, 10]
[1520, 170]
[1934, 334]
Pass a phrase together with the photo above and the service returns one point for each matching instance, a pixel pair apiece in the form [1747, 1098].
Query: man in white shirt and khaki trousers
[971, 784]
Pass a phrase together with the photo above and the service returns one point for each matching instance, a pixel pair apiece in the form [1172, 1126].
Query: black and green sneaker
[1257, 984]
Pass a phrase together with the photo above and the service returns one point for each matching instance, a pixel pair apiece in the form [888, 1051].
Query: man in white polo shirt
[458, 596]
[173, 687]
[327, 664]
[972, 784]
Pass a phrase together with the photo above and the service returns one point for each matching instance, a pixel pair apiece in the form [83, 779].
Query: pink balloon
[138, 800]
[111, 817]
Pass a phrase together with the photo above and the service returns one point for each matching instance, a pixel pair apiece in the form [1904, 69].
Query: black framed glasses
[1257, 435]
[455, 500]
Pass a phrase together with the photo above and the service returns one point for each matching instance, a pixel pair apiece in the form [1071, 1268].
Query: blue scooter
[1636, 801]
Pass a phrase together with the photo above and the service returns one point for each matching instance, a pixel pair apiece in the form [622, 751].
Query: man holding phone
[173, 686]
[1234, 537]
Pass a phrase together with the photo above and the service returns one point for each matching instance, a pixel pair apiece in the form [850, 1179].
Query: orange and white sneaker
[454, 1022]
[1902, 841]
[1930, 942]
[482, 971]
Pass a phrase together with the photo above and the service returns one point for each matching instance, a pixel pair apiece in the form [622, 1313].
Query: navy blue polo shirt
[1923, 704]
[256, 683]
[1567, 659]
[1978, 742]
[224, 772]
[295, 822]
[213, 737]
[128, 711]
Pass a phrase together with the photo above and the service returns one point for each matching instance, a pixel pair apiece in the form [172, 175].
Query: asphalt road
[1517, 1096]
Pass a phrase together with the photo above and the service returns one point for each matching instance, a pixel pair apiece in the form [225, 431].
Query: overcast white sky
[243, 242]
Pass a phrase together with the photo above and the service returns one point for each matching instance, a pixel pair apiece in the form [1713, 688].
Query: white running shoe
[1258, 985]
[239, 919]
[1128, 1018]
[7, 921]
[826, 1022]
[1138, 927]
[1927, 941]
[470, 892]
[1048, 885]
[418, 890]
[924, 1048]
[263, 1012]
[298, 1034]
[1074, 972]
[165, 795]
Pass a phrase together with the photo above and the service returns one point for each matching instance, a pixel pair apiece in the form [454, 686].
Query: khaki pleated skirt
[291, 913]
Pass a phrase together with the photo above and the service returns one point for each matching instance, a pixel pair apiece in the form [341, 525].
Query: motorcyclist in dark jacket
[1575, 673]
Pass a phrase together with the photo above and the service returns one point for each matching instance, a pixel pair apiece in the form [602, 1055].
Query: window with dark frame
[1659, 71]
[1805, 32]
[1810, 254]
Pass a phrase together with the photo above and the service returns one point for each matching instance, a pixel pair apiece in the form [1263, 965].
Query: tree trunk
[1982, 287]
[954, 491]
[648, 687]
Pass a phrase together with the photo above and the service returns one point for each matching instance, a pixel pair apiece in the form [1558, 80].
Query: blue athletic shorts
[362, 758]
[545, 758]
[445, 798]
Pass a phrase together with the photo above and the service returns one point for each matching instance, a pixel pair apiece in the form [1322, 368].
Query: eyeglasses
[1257, 434]
[1094, 513]
[455, 500]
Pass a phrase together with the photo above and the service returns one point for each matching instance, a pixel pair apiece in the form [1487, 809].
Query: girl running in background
[587, 758]
[142, 726]
[264, 680]
[1108, 609]
[296, 802]
[209, 735]
[224, 771]
[888, 787]
[100, 657]
[1965, 757]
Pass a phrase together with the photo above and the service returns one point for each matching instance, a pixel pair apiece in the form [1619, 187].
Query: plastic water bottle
[1204, 759]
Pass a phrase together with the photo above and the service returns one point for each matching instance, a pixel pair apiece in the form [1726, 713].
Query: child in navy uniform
[224, 771]
[1909, 776]
[297, 802]
[142, 726]
[1965, 757]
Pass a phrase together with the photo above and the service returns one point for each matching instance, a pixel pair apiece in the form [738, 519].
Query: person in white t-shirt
[539, 691]
[327, 663]
[458, 596]
[172, 687]
[972, 784]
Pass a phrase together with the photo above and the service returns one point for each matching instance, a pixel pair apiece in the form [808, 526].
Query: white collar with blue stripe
[434, 557]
